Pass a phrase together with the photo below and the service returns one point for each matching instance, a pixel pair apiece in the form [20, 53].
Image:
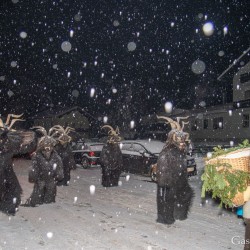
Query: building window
[218, 123]
[247, 94]
[245, 121]
[245, 77]
[205, 124]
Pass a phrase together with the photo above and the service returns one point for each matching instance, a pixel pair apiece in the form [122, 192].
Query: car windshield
[97, 147]
[152, 146]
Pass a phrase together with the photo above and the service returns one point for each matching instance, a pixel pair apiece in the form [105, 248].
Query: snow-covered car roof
[153, 146]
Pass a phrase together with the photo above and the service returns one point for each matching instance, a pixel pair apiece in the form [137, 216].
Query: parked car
[191, 168]
[87, 154]
[140, 157]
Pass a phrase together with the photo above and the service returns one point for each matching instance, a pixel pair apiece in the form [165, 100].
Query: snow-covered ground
[121, 217]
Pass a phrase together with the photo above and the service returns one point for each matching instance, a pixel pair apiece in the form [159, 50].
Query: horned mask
[177, 135]
[47, 142]
[113, 135]
[63, 134]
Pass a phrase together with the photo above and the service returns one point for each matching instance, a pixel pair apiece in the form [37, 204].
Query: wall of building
[239, 86]
[229, 126]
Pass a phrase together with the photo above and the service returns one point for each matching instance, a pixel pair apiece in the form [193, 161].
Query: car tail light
[91, 153]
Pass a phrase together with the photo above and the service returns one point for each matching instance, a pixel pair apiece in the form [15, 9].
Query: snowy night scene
[124, 124]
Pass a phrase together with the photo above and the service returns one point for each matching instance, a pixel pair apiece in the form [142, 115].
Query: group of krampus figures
[174, 194]
[52, 162]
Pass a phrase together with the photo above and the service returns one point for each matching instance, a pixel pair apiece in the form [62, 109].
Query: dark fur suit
[111, 159]
[47, 169]
[111, 164]
[44, 174]
[65, 152]
[12, 143]
[10, 189]
[174, 194]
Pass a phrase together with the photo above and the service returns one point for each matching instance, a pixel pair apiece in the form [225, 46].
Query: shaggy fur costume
[12, 143]
[44, 174]
[174, 194]
[111, 164]
[65, 152]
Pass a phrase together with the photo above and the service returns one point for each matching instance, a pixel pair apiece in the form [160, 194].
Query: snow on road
[121, 217]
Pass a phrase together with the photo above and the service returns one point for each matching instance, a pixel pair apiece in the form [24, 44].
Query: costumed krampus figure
[111, 159]
[174, 194]
[12, 143]
[64, 149]
[47, 169]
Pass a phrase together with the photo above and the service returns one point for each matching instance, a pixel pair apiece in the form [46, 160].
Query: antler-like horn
[11, 116]
[41, 129]
[172, 123]
[183, 123]
[117, 130]
[1, 123]
[58, 128]
[13, 121]
[112, 131]
[68, 130]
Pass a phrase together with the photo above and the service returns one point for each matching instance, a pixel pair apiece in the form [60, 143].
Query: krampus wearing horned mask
[12, 142]
[63, 148]
[174, 194]
[111, 159]
[47, 169]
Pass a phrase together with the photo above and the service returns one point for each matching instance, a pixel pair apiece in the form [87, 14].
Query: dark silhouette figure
[47, 169]
[111, 159]
[12, 143]
[64, 149]
[174, 194]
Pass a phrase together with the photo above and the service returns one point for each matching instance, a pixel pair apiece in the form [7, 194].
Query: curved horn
[11, 116]
[13, 121]
[117, 130]
[112, 131]
[1, 123]
[179, 119]
[183, 124]
[68, 130]
[58, 128]
[173, 124]
[41, 129]
[107, 126]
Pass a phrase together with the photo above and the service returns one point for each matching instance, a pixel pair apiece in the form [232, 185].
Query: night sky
[126, 55]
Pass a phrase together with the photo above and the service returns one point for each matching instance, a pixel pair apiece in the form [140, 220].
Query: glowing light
[105, 119]
[132, 124]
[92, 92]
[209, 155]
[168, 107]
[49, 235]
[208, 29]
[23, 34]
[92, 189]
